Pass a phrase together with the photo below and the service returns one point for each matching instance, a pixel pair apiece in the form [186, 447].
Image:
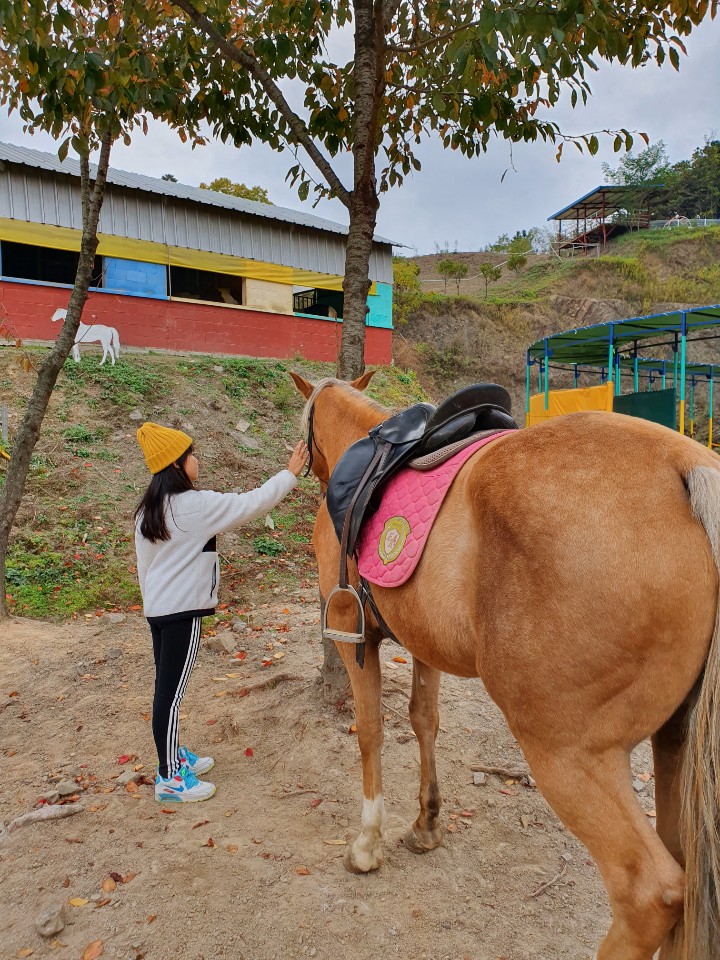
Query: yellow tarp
[65, 238]
[561, 402]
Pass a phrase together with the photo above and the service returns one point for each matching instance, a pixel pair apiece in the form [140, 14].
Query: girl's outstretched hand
[299, 458]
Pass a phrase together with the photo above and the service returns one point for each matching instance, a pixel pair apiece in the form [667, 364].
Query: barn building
[180, 268]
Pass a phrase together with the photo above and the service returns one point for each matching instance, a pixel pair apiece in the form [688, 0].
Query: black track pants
[175, 646]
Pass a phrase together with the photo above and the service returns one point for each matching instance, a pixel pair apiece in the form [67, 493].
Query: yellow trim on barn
[66, 238]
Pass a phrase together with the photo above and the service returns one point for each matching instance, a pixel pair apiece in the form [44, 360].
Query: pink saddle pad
[392, 541]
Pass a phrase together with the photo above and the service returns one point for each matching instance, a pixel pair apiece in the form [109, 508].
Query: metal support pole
[683, 357]
[618, 373]
[547, 375]
[4, 424]
[635, 370]
[692, 406]
[528, 364]
[611, 362]
[576, 376]
[664, 374]
[710, 413]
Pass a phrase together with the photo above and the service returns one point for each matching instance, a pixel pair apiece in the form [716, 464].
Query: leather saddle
[354, 489]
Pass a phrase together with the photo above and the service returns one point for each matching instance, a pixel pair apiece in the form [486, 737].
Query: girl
[175, 539]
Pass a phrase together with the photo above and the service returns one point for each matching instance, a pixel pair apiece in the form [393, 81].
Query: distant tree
[651, 165]
[516, 262]
[460, 271]
[407, 292]
[490, 273]
[446, 269]
[226, 185]
[169, 177]
[693, 186]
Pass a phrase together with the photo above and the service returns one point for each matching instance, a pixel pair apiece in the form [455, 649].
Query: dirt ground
[256, 873]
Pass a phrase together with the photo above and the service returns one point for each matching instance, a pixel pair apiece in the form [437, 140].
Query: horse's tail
[700, 817]
[115, 343]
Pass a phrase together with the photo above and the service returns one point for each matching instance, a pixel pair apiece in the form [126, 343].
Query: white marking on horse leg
[366, 853]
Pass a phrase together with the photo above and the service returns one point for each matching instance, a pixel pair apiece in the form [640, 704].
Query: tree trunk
[368, 77]
[27, 435]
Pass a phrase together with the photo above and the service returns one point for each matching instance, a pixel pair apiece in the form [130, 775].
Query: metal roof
[607, 199]
[590, 345]
[12, 153]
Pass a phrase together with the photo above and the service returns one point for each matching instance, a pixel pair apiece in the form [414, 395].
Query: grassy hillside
[73, 550]
[453, 340]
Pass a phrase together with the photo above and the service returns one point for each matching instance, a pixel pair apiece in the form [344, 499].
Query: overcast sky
[462, 202]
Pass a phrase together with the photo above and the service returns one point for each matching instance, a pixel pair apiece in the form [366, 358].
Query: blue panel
[133, 276]
[381, 306]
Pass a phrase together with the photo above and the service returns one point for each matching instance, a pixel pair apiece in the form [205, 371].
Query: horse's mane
[344, 385]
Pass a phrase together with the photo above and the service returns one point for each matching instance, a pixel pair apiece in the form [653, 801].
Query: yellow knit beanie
[162, 445]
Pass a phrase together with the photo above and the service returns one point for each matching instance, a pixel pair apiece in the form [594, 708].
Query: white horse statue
[107, 337]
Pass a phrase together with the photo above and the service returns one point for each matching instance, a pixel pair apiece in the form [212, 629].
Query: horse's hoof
[361, 861]
[428, 840]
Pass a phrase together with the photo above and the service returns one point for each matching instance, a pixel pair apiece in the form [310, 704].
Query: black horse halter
[311, 440]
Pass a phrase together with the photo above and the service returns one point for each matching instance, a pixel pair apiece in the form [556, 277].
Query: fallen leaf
[209, 842]
[200, 823]
[467, 813]
[233, 676]
[168, 811]
[102, 903]
[279, 655]
[651, 813]
[131, 787]
[316, 802]
[352, 728]
[123, 758]
[336, 843]
[231, 848]
[127, 878]
[66, 882]
[93, 950]
[451, 827]
[399, 660]
[151, 917]
[78, 902]
[183, 716]
[211, 723]
[390, 665]
[645, 777]
[108, 885]
[302, 871]
[25, 952]
[240, 655]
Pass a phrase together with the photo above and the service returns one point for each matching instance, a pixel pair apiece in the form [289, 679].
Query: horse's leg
[103, 344]
[425, 834]
[668, 746]
[593, 796]
[365, 854]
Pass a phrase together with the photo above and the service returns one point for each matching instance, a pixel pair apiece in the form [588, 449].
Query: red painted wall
[174, 325]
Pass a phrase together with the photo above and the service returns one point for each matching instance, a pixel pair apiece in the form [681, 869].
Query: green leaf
[593, 145]
[304, 189]
[674, 58]
[63, 149]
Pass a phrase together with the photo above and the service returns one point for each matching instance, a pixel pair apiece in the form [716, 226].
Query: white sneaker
[197, 764]
[184, 787]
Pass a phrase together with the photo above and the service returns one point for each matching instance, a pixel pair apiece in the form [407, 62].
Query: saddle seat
[354, 487]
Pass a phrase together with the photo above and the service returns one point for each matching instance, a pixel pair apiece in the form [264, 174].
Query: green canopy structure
[615, 350]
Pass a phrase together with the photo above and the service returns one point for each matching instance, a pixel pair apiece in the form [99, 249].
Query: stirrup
[344, 636]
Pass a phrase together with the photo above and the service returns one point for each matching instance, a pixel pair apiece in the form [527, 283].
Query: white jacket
[179, 577]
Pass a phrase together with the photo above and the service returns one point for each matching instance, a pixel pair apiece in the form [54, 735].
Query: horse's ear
[364, 380]
[304, 386]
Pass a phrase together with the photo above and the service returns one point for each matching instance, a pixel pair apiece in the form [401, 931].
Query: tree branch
[250, 63]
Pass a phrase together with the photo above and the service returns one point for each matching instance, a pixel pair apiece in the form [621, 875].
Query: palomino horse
[574, 569]
[107, 337]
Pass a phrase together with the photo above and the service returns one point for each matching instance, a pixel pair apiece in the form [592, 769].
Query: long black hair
[163, 485]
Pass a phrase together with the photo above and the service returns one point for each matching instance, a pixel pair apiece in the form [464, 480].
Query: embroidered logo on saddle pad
[392, 541]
